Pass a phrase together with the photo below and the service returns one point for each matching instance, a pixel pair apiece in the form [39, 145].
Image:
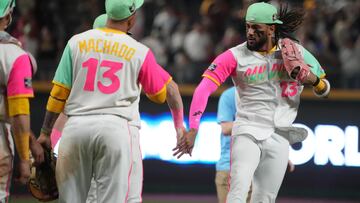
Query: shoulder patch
[212, 67]
[28, 82]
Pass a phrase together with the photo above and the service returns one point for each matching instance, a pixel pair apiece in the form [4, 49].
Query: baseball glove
[42, 183]
[293, 61]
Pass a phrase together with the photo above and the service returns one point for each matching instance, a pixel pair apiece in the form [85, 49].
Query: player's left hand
[293, 61]
[186, 144]
[36, 149]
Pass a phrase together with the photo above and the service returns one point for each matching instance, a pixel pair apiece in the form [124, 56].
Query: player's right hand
[44, 140]
[36, 149]
[24, 172]
[186, 144]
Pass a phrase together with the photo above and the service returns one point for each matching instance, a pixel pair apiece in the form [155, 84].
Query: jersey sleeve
[221, 68]
[19, 81]
[226, 107]
[313, 63]
[149, 75]
[63, 75]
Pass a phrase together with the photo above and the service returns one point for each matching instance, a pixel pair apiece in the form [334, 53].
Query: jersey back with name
[101, 69]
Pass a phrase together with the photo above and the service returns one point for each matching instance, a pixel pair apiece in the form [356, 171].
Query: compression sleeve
[199, 101]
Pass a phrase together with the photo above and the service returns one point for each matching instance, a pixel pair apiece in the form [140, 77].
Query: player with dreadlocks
[269, 72]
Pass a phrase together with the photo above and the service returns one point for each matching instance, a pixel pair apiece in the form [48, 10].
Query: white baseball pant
[6, 161]
[136, 176]
[261, 161]
[96, 146]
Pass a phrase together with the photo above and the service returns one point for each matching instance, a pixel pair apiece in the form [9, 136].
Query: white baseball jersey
[103, 68]
[266, 97]
[15, 81]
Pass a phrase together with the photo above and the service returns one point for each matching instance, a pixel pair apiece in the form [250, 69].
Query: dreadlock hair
[291, 19]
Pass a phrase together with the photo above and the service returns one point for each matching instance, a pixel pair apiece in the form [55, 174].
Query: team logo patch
[197, 113]
[212, 67]
[28, 82]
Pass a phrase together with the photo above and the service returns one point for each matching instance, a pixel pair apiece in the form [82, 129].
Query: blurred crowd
[186, 35]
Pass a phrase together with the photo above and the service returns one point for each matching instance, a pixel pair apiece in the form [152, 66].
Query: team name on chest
[261, 72]
[106, 47]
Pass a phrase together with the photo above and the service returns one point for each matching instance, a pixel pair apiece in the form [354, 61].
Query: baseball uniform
[103, 69]
[15, 83]
[267, 100]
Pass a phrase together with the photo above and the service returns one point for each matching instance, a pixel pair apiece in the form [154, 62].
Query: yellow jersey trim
[61, 85]
[18, 106]
[212, 79]
[110, 30]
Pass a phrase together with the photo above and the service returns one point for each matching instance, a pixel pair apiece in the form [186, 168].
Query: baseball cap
[121, 9]
[100, 21]
[6, 6]
[262, 13]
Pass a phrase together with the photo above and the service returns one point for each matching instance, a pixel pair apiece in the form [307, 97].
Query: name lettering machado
[106, 47]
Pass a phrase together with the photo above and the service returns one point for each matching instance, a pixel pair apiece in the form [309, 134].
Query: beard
[256, 45]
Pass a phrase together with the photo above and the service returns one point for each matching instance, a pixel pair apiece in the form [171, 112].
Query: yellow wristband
[22, 142]
[54, 105]
[320, 87]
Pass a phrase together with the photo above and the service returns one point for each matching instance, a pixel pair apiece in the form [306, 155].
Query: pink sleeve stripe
[19, 83]
[150, 73]
[199, 101]
[222, 67]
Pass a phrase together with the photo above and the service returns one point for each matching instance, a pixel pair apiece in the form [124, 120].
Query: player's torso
[105, 72]
[266, 96]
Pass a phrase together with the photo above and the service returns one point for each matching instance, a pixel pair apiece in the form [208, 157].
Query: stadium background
[185, 36]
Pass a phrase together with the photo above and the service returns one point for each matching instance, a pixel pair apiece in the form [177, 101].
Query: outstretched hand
[185, 143]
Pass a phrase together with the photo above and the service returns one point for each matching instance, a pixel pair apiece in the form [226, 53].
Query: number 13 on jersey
[92, 66]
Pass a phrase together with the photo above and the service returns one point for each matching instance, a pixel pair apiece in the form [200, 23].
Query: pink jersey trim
[229, 178]
[199, 101]
[19, 82]
[150, 73]
[222, 67]
[131, 165]
[8, 182]
[54, 137]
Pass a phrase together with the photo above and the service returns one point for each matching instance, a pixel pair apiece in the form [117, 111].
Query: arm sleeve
[226, 107]
[221, 68]
[199, 101]
[19, 82]
[63, 75]
[149, 75]
[315, 66]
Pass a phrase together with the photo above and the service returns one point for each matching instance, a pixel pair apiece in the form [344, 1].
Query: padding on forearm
[322, 89]
[57, 99]
[22, 142]
[199, 101]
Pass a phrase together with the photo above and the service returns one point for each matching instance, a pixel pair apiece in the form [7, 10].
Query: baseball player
[97, 85]
[269, 71]
[16, 69]
[136, 178]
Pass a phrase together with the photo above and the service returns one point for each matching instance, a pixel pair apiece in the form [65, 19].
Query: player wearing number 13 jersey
[97, 84]
[267, 101]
